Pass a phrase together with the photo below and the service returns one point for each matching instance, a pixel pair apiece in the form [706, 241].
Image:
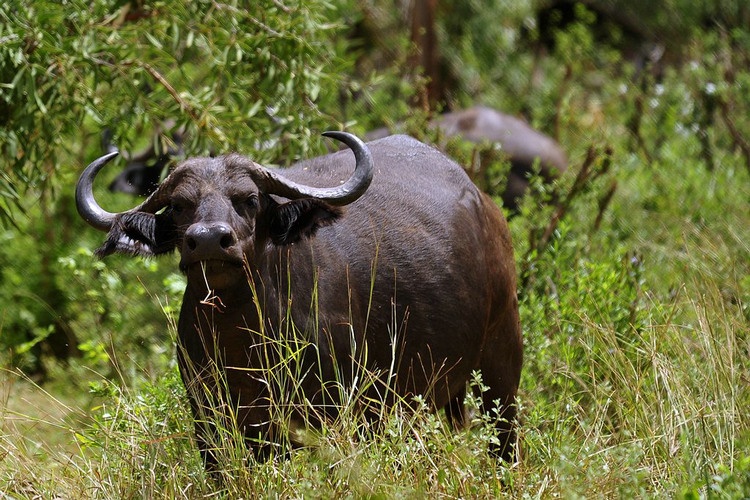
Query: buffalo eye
[179, 205]
[246, 203]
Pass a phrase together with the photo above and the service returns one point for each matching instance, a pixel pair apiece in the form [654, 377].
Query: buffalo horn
[87, 206]
[348, 192]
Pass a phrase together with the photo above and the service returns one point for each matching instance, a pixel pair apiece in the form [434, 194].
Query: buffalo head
[217, 211]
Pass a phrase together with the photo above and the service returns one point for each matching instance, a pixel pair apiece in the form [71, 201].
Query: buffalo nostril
[191, 243]
[227, 241]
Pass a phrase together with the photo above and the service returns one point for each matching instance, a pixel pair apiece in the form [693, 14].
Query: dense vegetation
[635, 273]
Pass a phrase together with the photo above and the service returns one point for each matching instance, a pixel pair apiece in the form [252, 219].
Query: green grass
[636, 383]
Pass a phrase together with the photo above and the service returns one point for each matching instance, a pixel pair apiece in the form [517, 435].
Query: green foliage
[235, 77]
[726, 483]
[479, 40]
[240, 77]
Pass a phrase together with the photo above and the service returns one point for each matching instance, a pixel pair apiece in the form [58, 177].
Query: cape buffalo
[412, 285]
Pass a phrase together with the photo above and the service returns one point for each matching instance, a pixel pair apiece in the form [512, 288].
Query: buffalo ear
[140, 233]
[297, 219]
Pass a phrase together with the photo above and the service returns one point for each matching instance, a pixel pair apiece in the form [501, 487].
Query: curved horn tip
[87, 206]
[363, 170]
[106, 157]
[342, 136]
[357, 145]
[343, 194]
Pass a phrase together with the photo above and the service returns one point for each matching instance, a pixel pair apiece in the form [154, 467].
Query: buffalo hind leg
[500, 405]
[505, 426]
[455, 410]
[500, 365]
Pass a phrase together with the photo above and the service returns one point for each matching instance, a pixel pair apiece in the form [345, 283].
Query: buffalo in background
[525, 148]
[144, 169]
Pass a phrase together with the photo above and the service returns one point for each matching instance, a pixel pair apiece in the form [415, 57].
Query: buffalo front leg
[203, 417]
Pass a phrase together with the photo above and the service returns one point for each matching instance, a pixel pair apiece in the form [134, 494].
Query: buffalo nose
[207, 240]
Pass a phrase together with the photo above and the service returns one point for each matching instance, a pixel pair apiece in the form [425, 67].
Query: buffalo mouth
[217, 281]
[215, 273]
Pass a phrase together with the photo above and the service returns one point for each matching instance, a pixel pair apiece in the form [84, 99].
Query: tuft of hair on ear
[139, 233]
[301, 218]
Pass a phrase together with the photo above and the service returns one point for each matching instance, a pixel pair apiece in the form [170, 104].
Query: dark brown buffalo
[414, 283]
[524, 147]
